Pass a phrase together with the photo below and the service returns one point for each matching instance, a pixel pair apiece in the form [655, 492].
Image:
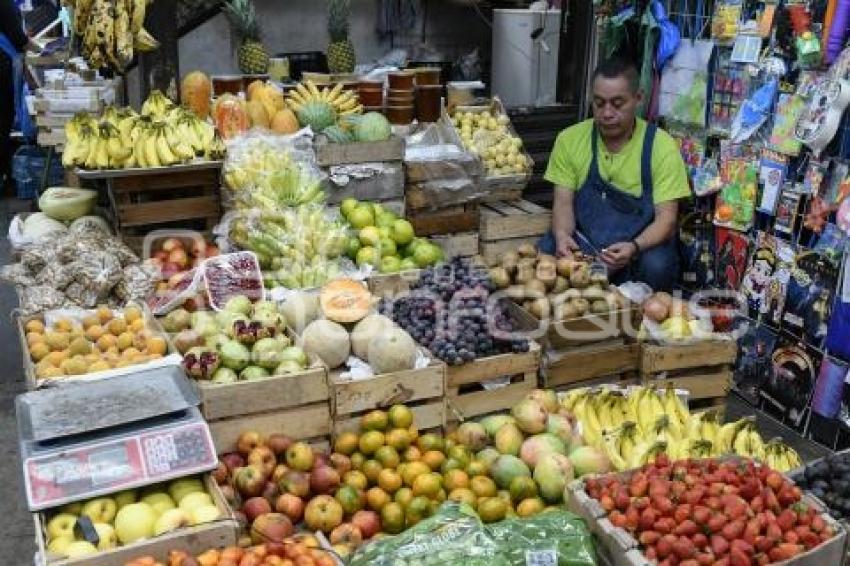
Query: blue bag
[23, 120]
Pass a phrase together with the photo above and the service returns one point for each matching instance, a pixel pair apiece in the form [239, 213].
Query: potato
[599, 279]
[500, 278]
[545, 273]
[581, 305]
[599, 306]
[524, 274]
[565, 311]
[580, 276]
[509, 262]
[527, 250]
[535, 288]
[564, 266]
[593, 294]
[540, 308]
[561, 284]
[541, 257]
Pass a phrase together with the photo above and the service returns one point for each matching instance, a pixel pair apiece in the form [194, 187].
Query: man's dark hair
[617, 67]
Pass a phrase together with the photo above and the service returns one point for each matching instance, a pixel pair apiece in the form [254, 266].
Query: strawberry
[648, 538]
[788, 496]
[665, 525]
[784, 551]
[753, 528]
[701, 514]
[682, 512]
[694, 495]
[818, 523]
[739, 558]
[774, 480]
[650, 553]
[791, 537]
[719, 545]
[713, 503]
[641, 503]
[686, 528]
[664, 505]
[786, 519]
[678, 488]
[699, 540]
[639, 486]
[810, 540]
[762, 559]
[763, 543]
[774, 532]
[647, 518]
[750, 488]
[664, 547]
[733, 530]
[617, 518]
[757, 504]
[705, 559]
[742, 546]
[689, 562]
[607, 503]
[683, 548]
[658, 488]
[716, 523]
[632, 518]
[722, 562]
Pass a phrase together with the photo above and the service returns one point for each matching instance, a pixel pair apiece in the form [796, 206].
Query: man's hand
[565, 246]
[618, 256]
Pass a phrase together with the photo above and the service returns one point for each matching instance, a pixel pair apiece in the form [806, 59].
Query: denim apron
[605, 214]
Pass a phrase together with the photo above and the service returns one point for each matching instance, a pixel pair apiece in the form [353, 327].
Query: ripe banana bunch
[157, 105]
[705, 426]
[345, 102]
[648, 406]
[110, 30]
[780, 456]
[748, 442]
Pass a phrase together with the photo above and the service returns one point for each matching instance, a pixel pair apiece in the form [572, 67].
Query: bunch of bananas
[110, 30]
[164, 134]
[344, 102]
[634, 427]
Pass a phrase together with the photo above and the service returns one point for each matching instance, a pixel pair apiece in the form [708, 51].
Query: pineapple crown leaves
[243, 19]
[338, 13]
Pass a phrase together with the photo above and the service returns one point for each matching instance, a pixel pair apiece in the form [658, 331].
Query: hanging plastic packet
[754, 112]
[707, 178]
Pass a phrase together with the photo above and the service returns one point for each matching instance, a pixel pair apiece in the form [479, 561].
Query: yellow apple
[59, 545]
[134, 522]
[193, 500]
[160, 501]
[61, 525]
[126, 497]
[183, 487]
[204, 514]
[170, 520]
[80, 548]
[106, 535]
[100, 510]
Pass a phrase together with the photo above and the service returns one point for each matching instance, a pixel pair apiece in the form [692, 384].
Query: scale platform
[83, 440]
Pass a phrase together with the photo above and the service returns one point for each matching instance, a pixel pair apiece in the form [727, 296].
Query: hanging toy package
[789, 108]
[731, 85]
[707, 179]
[724, 23]
[736, 202]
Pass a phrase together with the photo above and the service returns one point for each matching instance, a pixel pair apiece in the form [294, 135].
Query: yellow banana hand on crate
[110, 31]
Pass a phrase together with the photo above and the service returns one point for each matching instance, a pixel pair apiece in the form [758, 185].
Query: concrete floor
[17, 544]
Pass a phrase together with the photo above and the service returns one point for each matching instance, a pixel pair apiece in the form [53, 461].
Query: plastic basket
[28, 170]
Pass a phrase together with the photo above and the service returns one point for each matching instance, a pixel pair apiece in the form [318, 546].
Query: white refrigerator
[525, 56]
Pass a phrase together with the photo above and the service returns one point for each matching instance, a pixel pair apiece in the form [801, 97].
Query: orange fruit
[34, 338]
[137, 325]
[34, 325]
[412, 454]
[63, 325]
[346, 443]
[454, 479]
[157, 345]
[90, 321]
[371, 469]
[106, 341]
[132, 313]
[125, 340]
[94, 332]
[117, 326]
[130, 353]
[403, 496]
[104, 314]
[370, 441]
[377, 498]
[387, 456]
[482, 486]
[355, 478]
[392, 518]
[389, 480]
[433, 459]
[463, 495]
[39, 351]
[427, 485]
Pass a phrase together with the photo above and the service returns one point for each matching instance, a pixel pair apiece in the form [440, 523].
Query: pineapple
[341, 57]
[252, 56]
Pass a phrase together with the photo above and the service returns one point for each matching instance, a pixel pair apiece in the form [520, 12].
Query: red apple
[247, 441]
[270, 491]
[249, 480]
[231, 496]
[346, 533]
[341, 463]
[278, 472]
[300, 457]
[199, 248]
[324, 479]
[271, 527]
[320, 459]
[279, 443]
[171, 244]
[256, 506]
[263, 457]
[323, 513]
[295, 482]
[220, 474]
[368, 522]
[291, 506]
[232, 460]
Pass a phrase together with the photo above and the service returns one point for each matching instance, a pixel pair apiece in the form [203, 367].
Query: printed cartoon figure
[731, 258]
[757, 282]
[810, 294]
[754, 365]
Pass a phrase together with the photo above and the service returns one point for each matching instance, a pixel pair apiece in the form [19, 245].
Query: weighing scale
[83, 440]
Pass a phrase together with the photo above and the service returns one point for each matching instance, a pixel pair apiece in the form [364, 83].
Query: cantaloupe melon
[300, 309]
[345, 300]
[392, 350]
[365, 330]
[327, 340]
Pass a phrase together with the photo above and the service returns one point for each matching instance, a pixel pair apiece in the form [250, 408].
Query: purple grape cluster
[449, 310]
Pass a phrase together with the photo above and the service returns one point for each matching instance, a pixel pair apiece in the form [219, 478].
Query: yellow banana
[137, 18]
[616, 459]
[335, 93]
[151, 157]
[102, 156]
[301, 88]
[163, 151]
[347, 104]
[312, 89]
[144, 42]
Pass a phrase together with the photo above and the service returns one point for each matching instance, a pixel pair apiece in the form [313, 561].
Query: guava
[427, 254]
[390, 264]
[253, 372]
[361, 216]
[266, 353]
[347, 205]
[402, 232]
[368, 255]
[352, 247]
[369, 236]
[387, 247]
[234, 355]
[239, 303]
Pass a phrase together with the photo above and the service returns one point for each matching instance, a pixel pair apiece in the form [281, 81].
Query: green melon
[336, 134]
[317, 115]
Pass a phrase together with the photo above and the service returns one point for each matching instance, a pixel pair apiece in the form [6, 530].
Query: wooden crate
[448, 220]
[419, 197]
[311, 423]
[391, 284]
[144, 199]
[423, 390]
[705, 368]
[328, 153]
[615, 359]
[467, 398]
[457, 245]
[193, 540]
[395, 205]
[386, 185]
[515, 219]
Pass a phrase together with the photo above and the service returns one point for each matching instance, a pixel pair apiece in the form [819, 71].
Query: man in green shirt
[617, 185]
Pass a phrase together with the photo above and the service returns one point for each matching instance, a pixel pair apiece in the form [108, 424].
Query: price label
[160, 453]
[178, 450]
[546, 557]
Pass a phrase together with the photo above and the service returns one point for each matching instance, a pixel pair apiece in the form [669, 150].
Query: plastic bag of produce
[555, 537]
[454, 535]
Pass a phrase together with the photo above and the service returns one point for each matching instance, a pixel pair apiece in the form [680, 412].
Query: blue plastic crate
[28, 170]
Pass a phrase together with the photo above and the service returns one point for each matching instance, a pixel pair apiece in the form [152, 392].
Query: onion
[655, 310]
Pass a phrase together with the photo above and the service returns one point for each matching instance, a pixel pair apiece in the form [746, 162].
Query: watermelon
[318, 115]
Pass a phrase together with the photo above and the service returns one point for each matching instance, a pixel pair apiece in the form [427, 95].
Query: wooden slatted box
[504, 226]
[613, 360]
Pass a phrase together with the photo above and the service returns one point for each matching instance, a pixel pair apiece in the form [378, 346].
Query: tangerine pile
[105, 340]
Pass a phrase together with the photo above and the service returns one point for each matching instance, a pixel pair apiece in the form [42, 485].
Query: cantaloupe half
[345, 300]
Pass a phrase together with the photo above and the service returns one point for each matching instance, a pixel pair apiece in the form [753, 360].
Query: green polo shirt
[570, 160]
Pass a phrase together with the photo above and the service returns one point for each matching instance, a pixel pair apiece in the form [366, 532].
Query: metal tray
[53, 413]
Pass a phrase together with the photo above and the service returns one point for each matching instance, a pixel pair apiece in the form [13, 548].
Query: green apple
[378, 209]
[135, 522]
[182, 487]
[407, 264]
[106, 536]
[80, 548]
[415, 243]
[427, 254]
[126, 497]
[61, 525]
[368, 255]
[204, 514]
[361, 217]
[195, 500]
[390, 264]
[159, 501]
[402, 232]
[347, 205]
[59, 545]
[385, 220]
[369, 236]
[352, 247]
[100, 510]
[171, 520]
[387, 247]
[384, 232]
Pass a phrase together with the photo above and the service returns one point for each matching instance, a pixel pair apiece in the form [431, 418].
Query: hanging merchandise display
[684, 83]
[828, 99]
[731, 84]
[774, 168]
[736, 201]
[789, 108]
